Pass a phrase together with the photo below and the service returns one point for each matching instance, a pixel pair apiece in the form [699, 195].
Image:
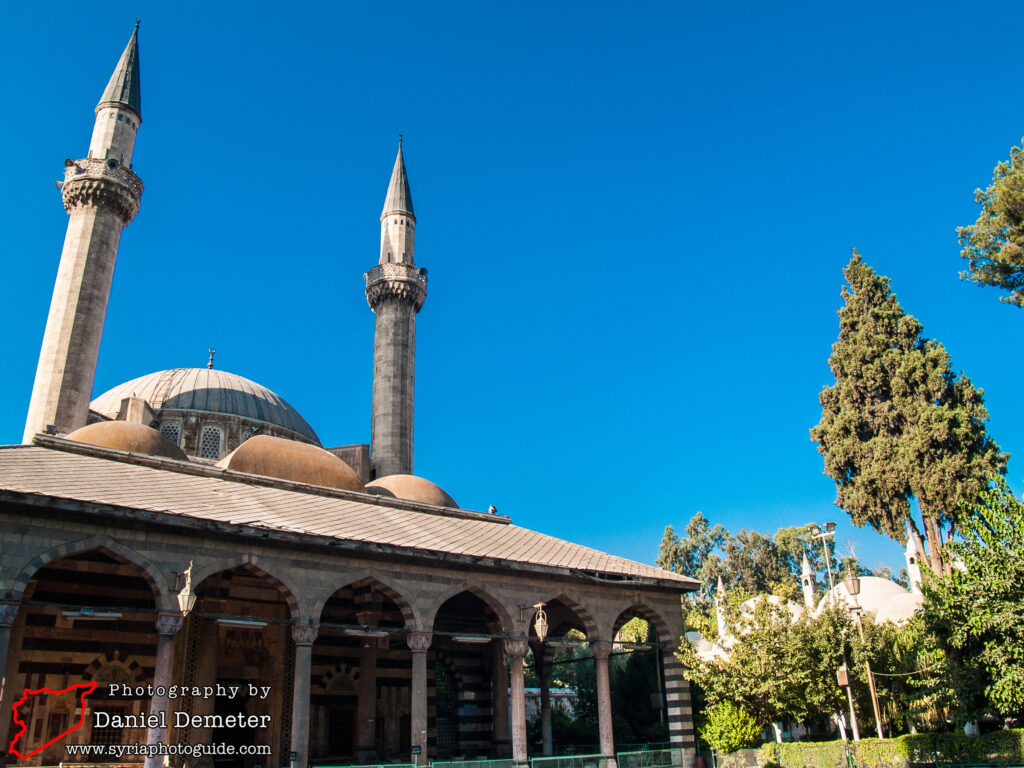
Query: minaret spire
[395, 291]
[807, 582]
[101, 195]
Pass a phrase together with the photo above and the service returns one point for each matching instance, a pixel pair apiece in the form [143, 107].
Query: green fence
[570, 761]
[651, 758]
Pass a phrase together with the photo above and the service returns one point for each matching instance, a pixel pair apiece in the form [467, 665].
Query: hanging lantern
[540, 622]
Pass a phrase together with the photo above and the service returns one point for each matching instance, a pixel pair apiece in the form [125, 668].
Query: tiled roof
[116, 479]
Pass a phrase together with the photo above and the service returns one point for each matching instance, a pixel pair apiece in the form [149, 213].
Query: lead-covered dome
[412, 488]
[291, 460]
[126, 436]
[208, 412]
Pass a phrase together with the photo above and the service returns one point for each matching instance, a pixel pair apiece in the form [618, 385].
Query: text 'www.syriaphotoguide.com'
[153, 750]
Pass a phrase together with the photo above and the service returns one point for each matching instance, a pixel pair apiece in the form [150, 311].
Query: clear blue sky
[634, 217]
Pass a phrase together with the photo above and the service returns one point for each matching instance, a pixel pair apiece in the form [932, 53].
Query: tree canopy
[977, 611]
[994, 244]
[899, 423]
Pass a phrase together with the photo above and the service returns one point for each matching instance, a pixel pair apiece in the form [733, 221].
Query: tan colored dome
[291, 460]
[128, 436]
[412, 488]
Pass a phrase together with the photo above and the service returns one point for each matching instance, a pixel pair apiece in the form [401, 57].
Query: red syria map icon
[85, 688]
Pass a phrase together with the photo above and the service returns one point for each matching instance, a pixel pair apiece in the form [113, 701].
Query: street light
[853, 587]
[828, 533]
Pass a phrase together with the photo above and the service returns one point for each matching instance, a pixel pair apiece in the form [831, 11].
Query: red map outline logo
[87, 688]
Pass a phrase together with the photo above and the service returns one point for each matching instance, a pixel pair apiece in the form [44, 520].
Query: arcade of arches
[350, 653]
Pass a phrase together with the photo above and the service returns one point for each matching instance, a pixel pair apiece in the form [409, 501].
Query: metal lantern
[540, 622]
[186, 597]
[852, 582]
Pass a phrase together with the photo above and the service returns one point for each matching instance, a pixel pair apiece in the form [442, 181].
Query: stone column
[304, 636]
[543, 661]
[418, 643]
[8, 614]
[601, 651]
[366, 708]
[678, 708]
[499, 681]
[516, 649]
[167, 625]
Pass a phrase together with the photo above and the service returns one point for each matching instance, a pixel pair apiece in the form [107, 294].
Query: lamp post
[844, 679]
[853, 587]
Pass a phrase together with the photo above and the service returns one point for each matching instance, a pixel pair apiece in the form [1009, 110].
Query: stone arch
[492, 602]
[590, 625]
[249, 563]
[99, 669]
[364, 578]
[162, 593]
[646, 612]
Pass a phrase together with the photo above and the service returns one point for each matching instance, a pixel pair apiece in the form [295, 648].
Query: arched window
[172, 431]
[246, 435]
[209, 442]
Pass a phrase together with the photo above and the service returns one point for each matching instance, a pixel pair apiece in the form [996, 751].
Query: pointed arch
[653, 617]
[162, 593]
[590, 626]
[248, 563]
[504, 618]
[365, 578]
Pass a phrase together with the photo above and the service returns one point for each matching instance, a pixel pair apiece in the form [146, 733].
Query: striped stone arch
[249, 563]
[162, 593]
[365, 578]
[678, 707]
[131, 666]
[495, 605]
[665, 640]
[588, 622]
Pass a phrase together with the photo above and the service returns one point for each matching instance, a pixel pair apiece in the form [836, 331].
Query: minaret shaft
[101, 195]
[395, 290]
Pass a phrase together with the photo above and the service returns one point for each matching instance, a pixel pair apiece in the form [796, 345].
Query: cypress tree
[899, 424]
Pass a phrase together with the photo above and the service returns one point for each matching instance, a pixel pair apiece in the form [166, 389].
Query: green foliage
[729, 727]
[977, 611]
[764, 672]
[899, 423]
[1002, 748]
[994, 244]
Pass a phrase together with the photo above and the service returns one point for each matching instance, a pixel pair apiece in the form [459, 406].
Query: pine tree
[994, 244]
[898, 423]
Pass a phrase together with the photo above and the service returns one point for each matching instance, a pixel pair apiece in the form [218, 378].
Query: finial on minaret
[212, 352]
[399, 142]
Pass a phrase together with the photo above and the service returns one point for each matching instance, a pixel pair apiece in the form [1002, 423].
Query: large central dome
[206, 394]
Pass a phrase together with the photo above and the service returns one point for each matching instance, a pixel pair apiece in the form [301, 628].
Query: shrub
[729, 728]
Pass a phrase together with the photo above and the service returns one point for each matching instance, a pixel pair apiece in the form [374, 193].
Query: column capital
[168, 622]
[8, 612]
[601, 649]
[305, 634]
[419, 642]
[516, 646]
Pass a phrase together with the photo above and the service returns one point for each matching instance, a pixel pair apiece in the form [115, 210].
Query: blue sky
[634, 220]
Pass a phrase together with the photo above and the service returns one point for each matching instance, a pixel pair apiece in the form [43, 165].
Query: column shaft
[418, 643]
[601, 651]
[366, 709]
[516, 649]
[8, 670]
[304, 636]
[167, 626]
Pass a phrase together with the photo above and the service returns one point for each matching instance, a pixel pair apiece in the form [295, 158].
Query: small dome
[411, 488]
[750, 606]
[208, 391]
[876, 595]
[900, 609]
[128, 436]
[291, 460]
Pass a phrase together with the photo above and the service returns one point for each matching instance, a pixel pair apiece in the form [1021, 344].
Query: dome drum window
[172, 431]
[210, 440]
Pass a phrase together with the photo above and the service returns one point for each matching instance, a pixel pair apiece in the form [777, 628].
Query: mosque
[186, 538]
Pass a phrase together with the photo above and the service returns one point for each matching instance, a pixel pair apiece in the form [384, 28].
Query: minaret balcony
[396, 280]
[102, 183]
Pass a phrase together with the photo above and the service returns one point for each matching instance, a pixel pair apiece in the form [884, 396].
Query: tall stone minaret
[913, 565]
[101, 195]
[720, 598]
[807, 582]
[395, 289]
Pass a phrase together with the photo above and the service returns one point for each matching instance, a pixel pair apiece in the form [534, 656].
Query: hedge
[1000, 748]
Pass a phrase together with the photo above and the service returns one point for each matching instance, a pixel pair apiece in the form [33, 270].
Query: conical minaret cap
[399, 199]
[124, 87]
[806, 566]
